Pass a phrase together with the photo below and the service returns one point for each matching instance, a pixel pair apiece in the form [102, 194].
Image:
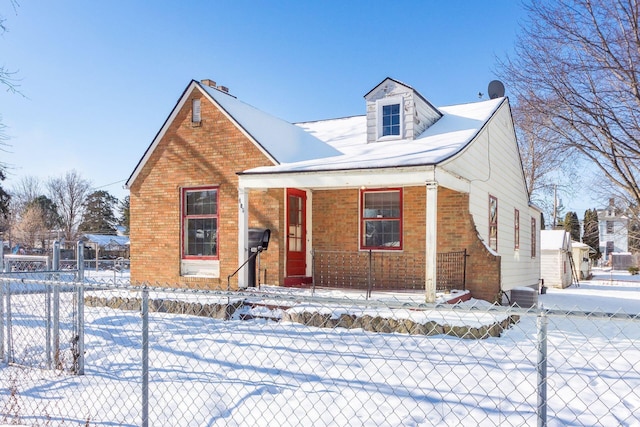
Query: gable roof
[554, 240]
[279, 140]
[457, 127]
[284, 141]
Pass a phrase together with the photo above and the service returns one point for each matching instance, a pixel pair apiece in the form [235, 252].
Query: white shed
[581, 259]
[555, 264]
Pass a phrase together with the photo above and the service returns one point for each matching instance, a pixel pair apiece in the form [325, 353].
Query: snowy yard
[209, 372]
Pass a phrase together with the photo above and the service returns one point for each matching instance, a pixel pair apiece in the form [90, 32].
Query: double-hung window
[390, 118]
[200, 223]
[381, 219]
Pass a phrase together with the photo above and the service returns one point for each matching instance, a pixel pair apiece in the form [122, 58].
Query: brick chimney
[224, 89]
[208, 82]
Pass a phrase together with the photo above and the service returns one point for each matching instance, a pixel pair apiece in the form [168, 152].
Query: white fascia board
[372, 178]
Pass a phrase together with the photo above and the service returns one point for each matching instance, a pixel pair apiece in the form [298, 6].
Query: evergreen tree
[49, 210]
[572, 225]
[591, 232]
[124, 214]
[98, 215]
[4, 196]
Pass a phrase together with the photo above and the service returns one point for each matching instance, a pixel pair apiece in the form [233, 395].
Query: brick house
[376, 200]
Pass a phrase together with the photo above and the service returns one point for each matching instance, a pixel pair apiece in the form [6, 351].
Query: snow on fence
[282, 357]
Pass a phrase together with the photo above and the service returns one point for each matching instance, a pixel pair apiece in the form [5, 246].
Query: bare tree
[31, 227]
[25, 191]
[576, 72]
[543, 164]
[7, 77]
[69, 193]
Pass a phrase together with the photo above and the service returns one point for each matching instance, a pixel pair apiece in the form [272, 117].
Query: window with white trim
[200, 223]
[390, 118]
[381, 219]
[493, 223]
[534, 238]
[516, 229]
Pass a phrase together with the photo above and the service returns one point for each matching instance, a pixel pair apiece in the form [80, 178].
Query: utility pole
[555, 206]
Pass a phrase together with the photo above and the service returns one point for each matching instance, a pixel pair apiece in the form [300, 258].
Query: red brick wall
[456, 232]
[189, 156]
[336, 225]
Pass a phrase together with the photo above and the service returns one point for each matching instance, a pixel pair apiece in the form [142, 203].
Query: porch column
[431, 248]
[243, 236]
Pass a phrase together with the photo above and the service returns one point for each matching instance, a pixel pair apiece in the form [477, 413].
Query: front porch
[386, 271]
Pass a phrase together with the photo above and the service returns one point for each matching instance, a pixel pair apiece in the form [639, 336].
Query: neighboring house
[401, 185]
[555, 262]
[581, 258]
[106, 245]
[614, 231]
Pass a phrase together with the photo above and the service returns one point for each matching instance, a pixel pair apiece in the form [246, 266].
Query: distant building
[614, 230]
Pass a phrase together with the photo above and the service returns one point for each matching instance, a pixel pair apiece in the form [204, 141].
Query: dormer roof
[396, 111]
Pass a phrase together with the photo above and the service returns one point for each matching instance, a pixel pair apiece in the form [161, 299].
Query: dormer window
[390, 118]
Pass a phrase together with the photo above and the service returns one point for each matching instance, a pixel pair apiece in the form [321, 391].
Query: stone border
[216, 311]
[402, 326]
[310, 318]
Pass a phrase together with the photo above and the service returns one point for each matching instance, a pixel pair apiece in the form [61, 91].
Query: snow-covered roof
[285, 142]
[445, 138]
[554, 240]
[106, 239]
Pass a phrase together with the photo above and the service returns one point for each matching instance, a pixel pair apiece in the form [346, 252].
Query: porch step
[297, 281]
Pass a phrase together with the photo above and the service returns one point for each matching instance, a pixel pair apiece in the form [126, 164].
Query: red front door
[296, 232]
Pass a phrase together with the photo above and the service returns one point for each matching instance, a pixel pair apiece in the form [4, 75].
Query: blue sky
[100, 78]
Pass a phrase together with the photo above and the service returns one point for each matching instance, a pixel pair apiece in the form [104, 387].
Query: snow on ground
[211, 372]
[608, 291]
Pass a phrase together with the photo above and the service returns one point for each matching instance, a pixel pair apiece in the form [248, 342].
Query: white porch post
[243, 236]
[431, 241]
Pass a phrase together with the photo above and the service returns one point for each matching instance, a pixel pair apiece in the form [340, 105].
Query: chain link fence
[282, 357]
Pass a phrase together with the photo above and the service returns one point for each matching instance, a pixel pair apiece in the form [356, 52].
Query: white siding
[417, 114]
[555, 268]
[493, 167]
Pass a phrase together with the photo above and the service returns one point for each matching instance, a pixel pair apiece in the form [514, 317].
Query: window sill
[390, 138]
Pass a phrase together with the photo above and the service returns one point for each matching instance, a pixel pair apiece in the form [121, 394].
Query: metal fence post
[9, 355]
[80, 310]
[47, 303]
[542, 323]
[2, 298]
[80, 261]
[56, 256]
[56, 306]
[145, 356]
